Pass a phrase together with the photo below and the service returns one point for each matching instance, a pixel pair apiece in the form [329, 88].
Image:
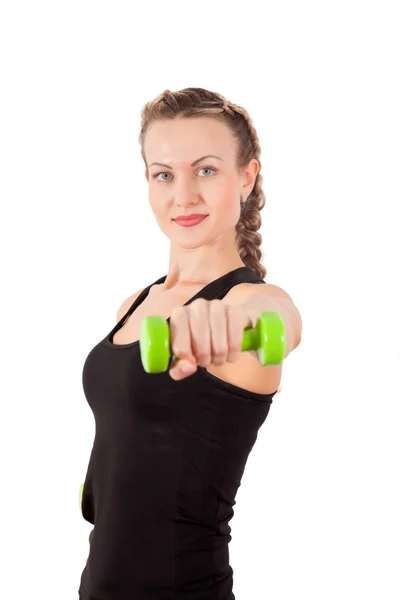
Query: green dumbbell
[268, 338]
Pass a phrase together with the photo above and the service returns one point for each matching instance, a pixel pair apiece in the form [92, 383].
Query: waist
[157, 560]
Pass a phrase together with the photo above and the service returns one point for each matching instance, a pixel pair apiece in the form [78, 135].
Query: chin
[188, 245]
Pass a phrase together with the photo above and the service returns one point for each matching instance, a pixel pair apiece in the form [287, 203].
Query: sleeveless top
[167, 460]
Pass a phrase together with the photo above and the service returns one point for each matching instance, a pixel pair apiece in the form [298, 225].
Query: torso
[246, 373]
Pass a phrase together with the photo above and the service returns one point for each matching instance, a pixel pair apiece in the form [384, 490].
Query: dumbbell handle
[251, 339]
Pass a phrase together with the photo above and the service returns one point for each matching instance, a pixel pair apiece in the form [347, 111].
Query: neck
[191, 267]
[182, 280]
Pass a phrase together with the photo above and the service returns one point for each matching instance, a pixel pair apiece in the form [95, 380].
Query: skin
[203, 332]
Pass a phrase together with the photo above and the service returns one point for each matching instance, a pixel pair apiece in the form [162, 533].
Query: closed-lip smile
[189, 217]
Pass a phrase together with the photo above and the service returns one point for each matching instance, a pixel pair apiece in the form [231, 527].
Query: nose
[185, 192]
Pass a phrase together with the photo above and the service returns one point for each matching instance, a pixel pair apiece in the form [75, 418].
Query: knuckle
[220, 352]
[216, 305]
[177, 311]
[199, 309]
[203, 356]
[234, 349]
[179, 351]
[202, 302]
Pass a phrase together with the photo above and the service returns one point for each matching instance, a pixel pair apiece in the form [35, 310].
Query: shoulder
[241, 292]
[123, 309]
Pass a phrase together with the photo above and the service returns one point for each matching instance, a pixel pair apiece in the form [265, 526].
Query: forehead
[181, 141]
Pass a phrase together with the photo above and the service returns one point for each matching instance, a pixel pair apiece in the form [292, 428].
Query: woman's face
[183, 184]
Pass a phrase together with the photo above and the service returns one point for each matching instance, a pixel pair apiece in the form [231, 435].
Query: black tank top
[167, 460]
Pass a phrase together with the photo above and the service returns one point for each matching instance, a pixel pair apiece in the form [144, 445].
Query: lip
[189, 221]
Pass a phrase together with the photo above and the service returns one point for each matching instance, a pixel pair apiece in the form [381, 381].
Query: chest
[246, 373]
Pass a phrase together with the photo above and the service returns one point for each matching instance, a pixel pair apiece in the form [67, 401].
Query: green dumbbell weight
[268, 338]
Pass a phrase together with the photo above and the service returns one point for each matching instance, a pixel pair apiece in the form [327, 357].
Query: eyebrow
[193, 163]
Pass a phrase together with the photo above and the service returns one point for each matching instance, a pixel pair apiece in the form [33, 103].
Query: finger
[180, 337]
[200, 331]
[235, 327]
[182, 369]
[219, 336]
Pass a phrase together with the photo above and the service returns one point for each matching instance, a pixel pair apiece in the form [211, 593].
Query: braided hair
[199, 102]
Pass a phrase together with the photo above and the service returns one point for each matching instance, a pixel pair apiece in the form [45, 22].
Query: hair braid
[248, 239]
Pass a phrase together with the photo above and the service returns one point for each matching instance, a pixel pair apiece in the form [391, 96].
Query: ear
[249, 175]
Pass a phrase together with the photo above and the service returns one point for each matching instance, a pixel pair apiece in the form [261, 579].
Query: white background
[317, 514]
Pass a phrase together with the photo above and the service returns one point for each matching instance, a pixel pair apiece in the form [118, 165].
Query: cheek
[157, 203]
[228, 198]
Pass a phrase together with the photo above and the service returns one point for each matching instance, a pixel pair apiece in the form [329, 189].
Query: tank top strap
[137, 301]
[217, 289]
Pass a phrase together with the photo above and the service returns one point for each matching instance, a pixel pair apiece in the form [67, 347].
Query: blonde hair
[198, 102]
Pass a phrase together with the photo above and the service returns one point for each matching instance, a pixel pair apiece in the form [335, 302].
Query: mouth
[190, 221]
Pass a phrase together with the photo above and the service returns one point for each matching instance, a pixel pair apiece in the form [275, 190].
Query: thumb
[183, 367]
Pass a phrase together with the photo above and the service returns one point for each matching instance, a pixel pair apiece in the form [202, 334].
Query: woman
[170, 449]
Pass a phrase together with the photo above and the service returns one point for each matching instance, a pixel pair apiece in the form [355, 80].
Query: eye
[207, 168]
[155, 176]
